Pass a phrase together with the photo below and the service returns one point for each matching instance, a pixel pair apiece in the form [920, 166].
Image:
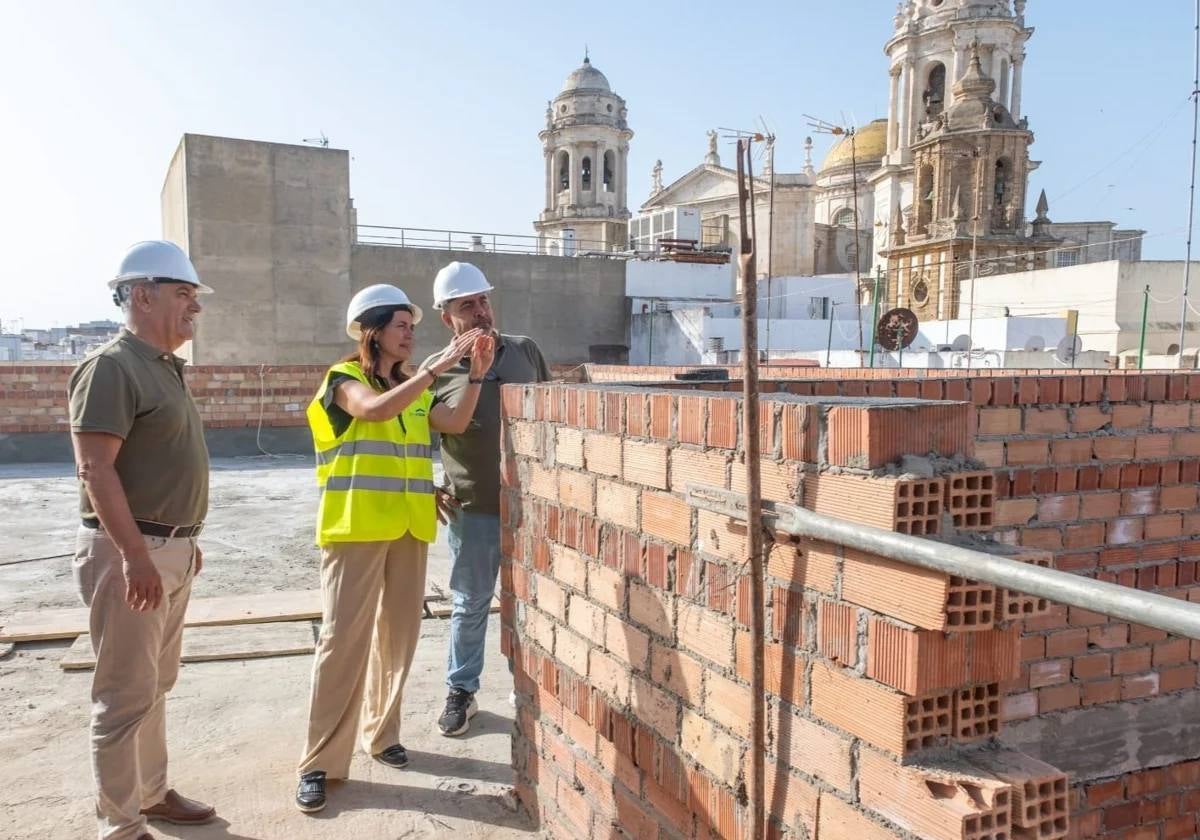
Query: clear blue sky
[440, 105]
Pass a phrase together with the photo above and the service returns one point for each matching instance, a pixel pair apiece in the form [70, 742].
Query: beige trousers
[137, 661]
[372, 596]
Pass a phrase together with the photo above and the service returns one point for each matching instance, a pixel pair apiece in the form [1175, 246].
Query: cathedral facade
[923, 199]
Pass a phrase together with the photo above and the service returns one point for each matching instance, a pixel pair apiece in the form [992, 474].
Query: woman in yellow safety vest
[371, 429]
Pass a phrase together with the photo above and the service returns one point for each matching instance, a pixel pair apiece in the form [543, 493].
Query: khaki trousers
[137, 661]
[372, 598]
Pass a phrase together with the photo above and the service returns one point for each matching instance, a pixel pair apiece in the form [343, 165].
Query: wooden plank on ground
[263, 607]
[207, 644]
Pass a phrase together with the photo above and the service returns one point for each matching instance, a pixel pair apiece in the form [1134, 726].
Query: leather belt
[155, 529]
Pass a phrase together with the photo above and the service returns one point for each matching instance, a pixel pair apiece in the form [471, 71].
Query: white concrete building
[1109, 298]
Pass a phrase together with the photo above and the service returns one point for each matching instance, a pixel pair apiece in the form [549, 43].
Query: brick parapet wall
[33, 398]
[626, 613]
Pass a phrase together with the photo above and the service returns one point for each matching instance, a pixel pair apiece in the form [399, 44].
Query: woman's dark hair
[372, 322]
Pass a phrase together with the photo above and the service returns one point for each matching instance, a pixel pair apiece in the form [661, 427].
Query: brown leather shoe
[180, 810]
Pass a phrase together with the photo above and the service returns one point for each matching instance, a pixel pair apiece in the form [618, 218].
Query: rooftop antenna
[845, 129]
[321, 141]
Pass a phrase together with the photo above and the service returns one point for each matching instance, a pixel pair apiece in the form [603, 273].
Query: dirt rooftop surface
[235, 728]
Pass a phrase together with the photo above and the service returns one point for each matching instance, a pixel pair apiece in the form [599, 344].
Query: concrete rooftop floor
[235, 728]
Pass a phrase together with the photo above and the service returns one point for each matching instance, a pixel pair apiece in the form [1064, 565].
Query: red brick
[723, 423]
[1114, 448]
[661, 413]
[1020, 452]
[652, 609]
[1089, 418]
[1058, 697]
[800, 434]
[1004, 422]
[837, 632]
[667, 517]
[691, 412]
[678, 672]
[1045, 421]
[645, 463]
[1091, 667]
[706, 634]
[694, 466]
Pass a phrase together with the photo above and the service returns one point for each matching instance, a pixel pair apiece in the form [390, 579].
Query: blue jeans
[475, 562]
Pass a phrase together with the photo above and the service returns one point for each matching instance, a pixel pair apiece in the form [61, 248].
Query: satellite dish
[961, 343]
[896, 329]
[1035, 344]
[1068, 349]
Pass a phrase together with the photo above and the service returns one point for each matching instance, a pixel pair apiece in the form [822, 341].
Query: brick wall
[1100, 470]
[626, 613]
[33, 398]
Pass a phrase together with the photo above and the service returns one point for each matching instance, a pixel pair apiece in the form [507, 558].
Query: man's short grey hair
[124, 294]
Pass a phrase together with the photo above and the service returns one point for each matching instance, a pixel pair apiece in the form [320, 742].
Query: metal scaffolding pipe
[1170, 614]
[1123, 602]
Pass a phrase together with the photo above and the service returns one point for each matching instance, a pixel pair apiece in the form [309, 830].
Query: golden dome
[870, 145]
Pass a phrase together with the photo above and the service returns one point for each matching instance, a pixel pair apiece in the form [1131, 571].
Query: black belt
[155, 529]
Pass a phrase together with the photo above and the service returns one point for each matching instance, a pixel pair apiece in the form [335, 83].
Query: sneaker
[394, 756]
[310, 796]
[456, 717]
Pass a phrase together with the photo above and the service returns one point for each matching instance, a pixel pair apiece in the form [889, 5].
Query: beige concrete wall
[268, 227]
[566, 304]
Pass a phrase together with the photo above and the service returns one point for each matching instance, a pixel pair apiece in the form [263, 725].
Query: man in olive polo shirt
[143, 471]
[472, 464]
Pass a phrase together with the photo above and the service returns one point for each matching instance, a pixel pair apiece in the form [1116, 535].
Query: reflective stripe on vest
[375, 447]
[378, 482]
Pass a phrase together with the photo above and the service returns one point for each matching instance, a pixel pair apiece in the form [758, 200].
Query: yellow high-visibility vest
[376, 478]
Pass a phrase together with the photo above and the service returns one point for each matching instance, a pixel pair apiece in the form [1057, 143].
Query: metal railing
[1145, 608]
[465, 240]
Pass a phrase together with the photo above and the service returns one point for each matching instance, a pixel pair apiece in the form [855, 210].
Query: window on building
[586, 174]
[818, 308]
[1066, 257]
[935, 90]
[564, 171]
[609, 169]
[844, 217]
[920, 291]
[1001, 182]
[1172, 349]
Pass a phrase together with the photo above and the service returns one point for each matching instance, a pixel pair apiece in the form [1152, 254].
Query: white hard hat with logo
[159, 261]
[374, 297]
[456, 280]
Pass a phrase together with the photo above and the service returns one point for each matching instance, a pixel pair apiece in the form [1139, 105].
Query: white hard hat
[458, 279]
[372, 297]
[157, 259]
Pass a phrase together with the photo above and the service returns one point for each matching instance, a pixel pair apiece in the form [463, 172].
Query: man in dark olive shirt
[472, 464]
[143, 472]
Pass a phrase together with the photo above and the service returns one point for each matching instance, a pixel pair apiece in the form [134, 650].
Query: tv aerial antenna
[321, 141]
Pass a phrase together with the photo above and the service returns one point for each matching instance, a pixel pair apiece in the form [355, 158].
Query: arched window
[844, 217]
[610, 168]
[935, 90]
[564, 171]
[586, 174]
[1172, 349]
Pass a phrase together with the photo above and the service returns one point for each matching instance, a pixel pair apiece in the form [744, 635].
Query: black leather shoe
[394, 756]
[310, 796]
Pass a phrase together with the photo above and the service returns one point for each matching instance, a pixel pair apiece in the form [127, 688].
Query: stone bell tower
[586, 146]
[971, 169]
